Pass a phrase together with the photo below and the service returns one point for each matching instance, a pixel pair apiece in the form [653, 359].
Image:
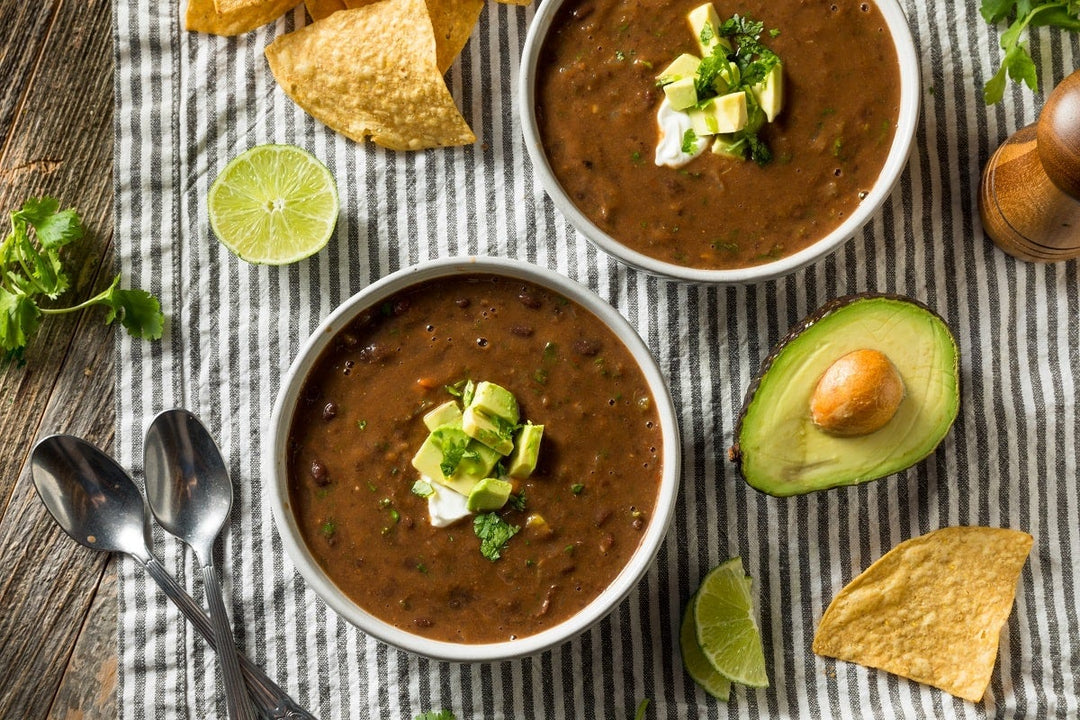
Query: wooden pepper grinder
[1029, 200]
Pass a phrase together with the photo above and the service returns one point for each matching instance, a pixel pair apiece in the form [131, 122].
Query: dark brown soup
[359, 422]
[597, 101]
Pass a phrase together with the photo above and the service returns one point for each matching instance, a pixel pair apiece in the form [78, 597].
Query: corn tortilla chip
[452, 21]
[318, 9]
[931, 609]
[203, 16]
[371, 72]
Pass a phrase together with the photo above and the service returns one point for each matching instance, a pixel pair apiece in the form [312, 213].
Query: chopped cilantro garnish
[494, 533]
[422, 568]
[517, 501]
[689, 140]
[620, 55]
[577, 488]
[422, 489]
[774, 32]
[362, 424]
[328, 528]
[395, 515]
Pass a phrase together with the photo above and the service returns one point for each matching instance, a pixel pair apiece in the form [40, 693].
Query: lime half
[697, 665]
[727, 633]
[274, 204]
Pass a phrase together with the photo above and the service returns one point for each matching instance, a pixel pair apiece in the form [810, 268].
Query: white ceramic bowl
[890, 172]
[275, 461]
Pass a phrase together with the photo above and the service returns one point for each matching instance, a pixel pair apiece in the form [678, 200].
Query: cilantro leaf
[138, 310]
[54, 227]
[494, 533]
[19, 319]
[1017, 64]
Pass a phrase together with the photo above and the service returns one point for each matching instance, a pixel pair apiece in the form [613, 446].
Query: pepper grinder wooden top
[1029, 200]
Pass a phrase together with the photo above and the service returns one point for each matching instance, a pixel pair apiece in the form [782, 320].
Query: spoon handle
[236, 697]
[272, 702]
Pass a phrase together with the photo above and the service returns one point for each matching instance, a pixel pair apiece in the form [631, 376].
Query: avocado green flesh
[782, 452]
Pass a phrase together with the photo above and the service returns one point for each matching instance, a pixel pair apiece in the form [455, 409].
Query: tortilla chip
[318, 9]
[931, 609]
[452, 22]
[372, 72]
[243, 15]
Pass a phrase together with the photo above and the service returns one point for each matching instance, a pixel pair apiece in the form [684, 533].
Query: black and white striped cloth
[187, 103]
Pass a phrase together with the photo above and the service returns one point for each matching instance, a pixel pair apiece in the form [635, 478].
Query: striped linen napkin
[187, 103]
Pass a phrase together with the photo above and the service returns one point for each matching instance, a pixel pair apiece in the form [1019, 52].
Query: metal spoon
[99, 506]
[190, 494]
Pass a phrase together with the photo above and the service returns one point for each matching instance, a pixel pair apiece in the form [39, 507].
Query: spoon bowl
[91, 497]
[187, 482]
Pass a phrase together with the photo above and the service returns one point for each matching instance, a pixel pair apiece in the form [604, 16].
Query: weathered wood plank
[26, 28]
[56, 138]
[89, 686]
[60, 143]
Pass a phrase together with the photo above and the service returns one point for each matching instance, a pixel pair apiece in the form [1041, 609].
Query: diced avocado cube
[496, 401]
[684, 66]
[727, 78]
[726, 145]
[721, 114]
[526, 451]
[446, 444]
[495, 432]
[770, 92]
[681, 94]
[488, 494]
[478, 462]
[705, 24]
[446, 414]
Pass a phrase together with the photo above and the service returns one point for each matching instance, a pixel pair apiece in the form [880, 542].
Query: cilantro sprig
[1017, 63]
[31, 270]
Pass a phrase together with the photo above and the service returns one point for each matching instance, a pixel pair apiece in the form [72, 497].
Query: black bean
[329, 411]
[521, 331]
[586, 347]
[528, 300]
[320, 474]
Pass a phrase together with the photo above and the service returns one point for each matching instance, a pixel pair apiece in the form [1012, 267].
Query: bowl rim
[895, 162]
[276, 476]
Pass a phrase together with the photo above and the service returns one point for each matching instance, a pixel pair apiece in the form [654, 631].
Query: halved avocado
[778, 447]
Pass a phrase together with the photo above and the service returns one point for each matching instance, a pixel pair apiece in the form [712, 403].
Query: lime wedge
[697, 665]
[274, 204]
[726, 632]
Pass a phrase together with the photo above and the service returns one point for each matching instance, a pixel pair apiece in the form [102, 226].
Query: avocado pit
[857, 395]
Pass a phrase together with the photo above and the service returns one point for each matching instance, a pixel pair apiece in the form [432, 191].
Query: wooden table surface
[57, 599]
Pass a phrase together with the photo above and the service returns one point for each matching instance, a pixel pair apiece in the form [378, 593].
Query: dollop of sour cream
[445, 506]
[673, 126]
